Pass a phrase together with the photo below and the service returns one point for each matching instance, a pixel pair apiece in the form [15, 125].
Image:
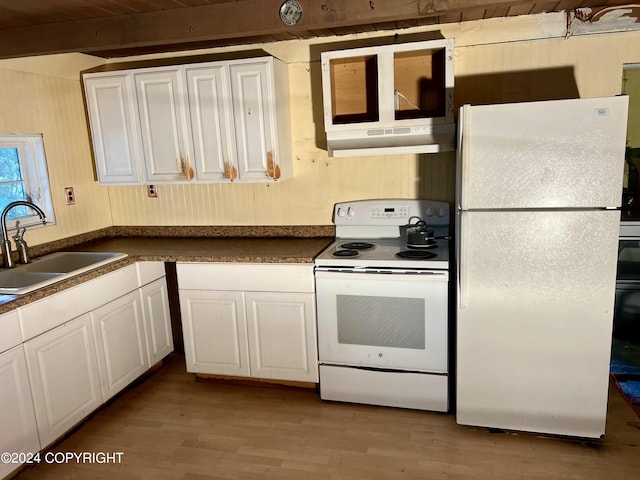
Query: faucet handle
[21, 246]
[19, 234]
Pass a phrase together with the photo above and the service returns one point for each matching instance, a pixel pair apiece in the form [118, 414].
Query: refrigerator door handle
[460, 290]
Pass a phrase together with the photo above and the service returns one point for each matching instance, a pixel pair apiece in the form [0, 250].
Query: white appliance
[539, 187]
[382, 307]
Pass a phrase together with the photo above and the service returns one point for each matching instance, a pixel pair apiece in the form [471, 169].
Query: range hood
[389, 99]
[392, 141]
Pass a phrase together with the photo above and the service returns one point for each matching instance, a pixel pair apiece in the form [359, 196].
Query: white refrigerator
[538, 195]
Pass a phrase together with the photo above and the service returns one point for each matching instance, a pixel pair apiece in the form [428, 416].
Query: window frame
[35, 175]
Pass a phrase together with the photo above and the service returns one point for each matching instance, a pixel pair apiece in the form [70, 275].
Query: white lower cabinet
[19, 430]
[215, 332]
[281, 335]
[157, 320]
[121, 343]
[63, 372]
[113, 329]
[249, 320]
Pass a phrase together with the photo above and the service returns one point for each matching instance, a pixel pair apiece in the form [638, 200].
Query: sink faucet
[8, 261]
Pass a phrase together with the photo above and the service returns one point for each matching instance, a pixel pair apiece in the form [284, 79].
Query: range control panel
[390, 212]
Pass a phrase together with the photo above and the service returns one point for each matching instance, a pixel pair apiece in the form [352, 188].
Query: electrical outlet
[152, 191]
[71, 197]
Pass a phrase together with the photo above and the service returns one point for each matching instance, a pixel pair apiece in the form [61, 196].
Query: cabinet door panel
[114, 131]
[211, 122]
[215, 336]
[164, 131]
[155, 303]
[282, 336]
[19, 430]
[120, 341]
[63, 374]
[253, 105]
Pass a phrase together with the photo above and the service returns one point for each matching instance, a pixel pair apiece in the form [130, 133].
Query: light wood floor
[172, 427]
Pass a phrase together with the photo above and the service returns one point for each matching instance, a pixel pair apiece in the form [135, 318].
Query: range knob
[428, 212]
[351, 212]
[441, 212]
[340, 212]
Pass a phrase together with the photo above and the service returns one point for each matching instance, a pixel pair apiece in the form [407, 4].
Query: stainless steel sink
[16, 280]
[52, 268]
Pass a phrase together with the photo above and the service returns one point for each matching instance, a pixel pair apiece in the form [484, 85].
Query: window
[23, 176]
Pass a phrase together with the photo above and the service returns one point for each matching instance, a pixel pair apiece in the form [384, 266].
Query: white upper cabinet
[211, 122]
[255, 113]
[163, 125]
[389, 99]
[218, 121]
[114, 133]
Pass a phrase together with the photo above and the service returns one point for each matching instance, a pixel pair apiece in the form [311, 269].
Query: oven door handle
[339, 273]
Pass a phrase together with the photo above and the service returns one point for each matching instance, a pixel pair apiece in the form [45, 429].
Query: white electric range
[382, 306]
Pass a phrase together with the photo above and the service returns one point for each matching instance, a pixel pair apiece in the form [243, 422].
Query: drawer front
[9, 331]
[255, 277]
[48, 313]
[149, 271]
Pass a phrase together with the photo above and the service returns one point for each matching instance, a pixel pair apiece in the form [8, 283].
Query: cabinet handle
[230, 171]
[273, 169]
[187, 171]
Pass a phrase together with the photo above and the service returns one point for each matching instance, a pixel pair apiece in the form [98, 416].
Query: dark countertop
[244, 250]
[145, 247]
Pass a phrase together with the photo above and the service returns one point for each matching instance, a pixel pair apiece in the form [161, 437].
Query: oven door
[626, 319]
[383, 320]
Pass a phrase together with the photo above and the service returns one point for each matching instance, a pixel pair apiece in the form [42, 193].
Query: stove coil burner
[416, 254]
[345, 253]
[357, 246]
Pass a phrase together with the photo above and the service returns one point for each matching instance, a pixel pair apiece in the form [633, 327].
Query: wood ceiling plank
[471, 14]
[224, 21]
[501, 11]
[544, 6]
[427, 20]
[568, 5]
[409, 23]
[515, 10]
[25, 12]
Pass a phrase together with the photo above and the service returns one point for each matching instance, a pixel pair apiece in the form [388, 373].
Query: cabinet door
[63, 373]
[19, 430]
[215, 334]
[114, 130]
[121, 343]
[155, 307]
[282, 336]
[211, 122]
[163, 122]
[253, 110]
